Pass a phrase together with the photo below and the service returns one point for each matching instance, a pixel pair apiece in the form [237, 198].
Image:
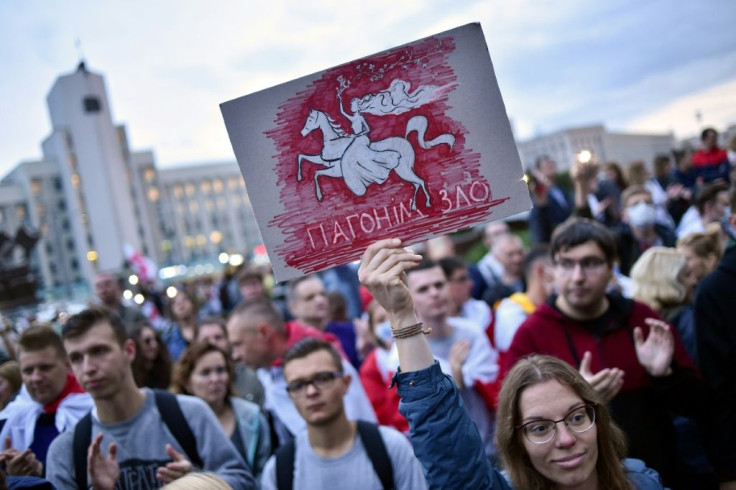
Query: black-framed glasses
[320, 381]
[579, 420]
[589, 265]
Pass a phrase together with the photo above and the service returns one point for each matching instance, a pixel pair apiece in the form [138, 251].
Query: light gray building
[91, 195]
[563, 146]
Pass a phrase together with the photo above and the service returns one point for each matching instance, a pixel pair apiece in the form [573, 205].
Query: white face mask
[642, 215]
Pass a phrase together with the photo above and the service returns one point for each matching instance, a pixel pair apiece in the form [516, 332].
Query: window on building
[189, 189]
[153, 194]
[92, 104]
[21, 211]
[57, 183]
[36, 186]
[217, 186]
[61, 205]
[149, 174]
[206, 187]
[70, 244]
[178, 191]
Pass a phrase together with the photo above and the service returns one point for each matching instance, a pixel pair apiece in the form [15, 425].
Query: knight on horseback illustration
[358, 160]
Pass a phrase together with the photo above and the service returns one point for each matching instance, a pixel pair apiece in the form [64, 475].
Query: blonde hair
[636, 173]
[704, 245]
[198, 481]
[656, 278]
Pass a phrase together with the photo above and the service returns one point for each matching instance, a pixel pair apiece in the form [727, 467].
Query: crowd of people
[596, 351]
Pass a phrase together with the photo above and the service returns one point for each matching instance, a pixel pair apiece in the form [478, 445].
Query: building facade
[91, 195]
[563, 146]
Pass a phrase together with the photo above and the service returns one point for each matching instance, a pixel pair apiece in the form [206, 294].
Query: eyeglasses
[589, 265]
[320, 381]
[579, 420]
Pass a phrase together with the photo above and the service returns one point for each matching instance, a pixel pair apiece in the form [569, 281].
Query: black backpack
[374, 447]
[171, 413]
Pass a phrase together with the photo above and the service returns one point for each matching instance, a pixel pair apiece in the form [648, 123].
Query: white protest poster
[413, 142]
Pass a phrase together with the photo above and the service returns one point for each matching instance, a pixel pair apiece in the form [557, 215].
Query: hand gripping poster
[413, 142]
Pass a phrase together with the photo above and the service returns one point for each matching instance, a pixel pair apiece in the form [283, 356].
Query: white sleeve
[357, 404]
[482, 362]
[509, 317]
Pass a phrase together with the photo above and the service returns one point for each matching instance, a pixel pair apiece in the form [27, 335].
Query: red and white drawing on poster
[369, 151]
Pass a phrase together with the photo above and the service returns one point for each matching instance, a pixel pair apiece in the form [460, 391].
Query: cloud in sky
[168, 64]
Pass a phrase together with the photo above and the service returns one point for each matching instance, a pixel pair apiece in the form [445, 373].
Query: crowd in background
[668, 219]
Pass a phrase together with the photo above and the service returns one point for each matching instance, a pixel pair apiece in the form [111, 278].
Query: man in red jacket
[625, 350]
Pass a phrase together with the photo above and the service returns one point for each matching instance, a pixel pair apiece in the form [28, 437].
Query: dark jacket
[448, 445]
[544, 219]
[642, 407]
[715, 327]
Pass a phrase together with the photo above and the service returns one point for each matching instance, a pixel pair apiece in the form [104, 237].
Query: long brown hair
[188, 363]
[158, 375]
[537, 369]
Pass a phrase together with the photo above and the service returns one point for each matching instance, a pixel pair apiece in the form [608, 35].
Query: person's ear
[348, 379]
[129, 349]
[263, 330]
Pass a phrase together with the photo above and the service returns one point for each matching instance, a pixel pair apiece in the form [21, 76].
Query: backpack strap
[376, 450]
[173, 417]
[82, 438]
[171, 414]
[285, 465]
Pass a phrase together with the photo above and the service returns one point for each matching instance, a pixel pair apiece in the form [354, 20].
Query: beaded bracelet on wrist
[410, 331]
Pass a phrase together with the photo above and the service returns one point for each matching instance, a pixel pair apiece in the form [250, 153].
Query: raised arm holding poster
[413, 143]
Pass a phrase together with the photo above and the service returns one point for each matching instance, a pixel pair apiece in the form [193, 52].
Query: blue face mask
[383, 333]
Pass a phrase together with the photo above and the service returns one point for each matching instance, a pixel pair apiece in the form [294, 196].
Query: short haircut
[423, 265]
[40, 336]
[310, 345]
[660, 165]
[211, 320]
[451, 264]
[79, 324]
[636, 173]
[577, 231]
[250, 274]
[708, 194]
[261, 311]
[633, 190]
[540, 159]
[706, 131]
[537, 254]
[294, 283]
[10, 370]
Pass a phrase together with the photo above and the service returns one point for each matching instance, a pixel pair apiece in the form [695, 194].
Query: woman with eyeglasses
[554, 430]
[206, 371]
[152, 364]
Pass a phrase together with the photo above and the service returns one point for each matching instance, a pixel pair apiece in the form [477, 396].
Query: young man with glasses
[622, 347]
[334, 452]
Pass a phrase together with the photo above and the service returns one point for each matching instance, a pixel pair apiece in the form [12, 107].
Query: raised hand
[458, 355]
[655, 353]
[382, 271]
[20, 463]
[607, 382]
[179, 467]
[103, 471]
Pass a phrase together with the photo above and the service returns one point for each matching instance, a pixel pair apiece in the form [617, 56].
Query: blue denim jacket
[448, 444]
